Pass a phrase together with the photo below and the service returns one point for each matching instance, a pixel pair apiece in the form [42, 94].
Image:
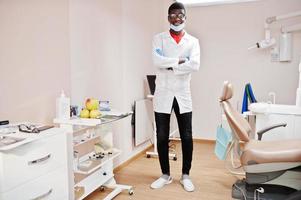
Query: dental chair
[272, 168]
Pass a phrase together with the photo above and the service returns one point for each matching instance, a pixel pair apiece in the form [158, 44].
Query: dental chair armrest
[261, 132]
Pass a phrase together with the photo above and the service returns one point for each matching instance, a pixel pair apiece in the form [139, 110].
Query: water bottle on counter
[63, 107]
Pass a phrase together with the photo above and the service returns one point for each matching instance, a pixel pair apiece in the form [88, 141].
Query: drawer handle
[43, 195]
[39, 160]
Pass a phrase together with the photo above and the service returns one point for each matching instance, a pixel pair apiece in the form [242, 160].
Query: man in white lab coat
[176, 54]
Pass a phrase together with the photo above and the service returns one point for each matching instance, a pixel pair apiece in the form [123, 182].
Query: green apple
[95, 114]
[92, 104]
[84, 113]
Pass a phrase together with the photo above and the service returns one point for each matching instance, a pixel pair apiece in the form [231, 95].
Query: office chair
[273, 168]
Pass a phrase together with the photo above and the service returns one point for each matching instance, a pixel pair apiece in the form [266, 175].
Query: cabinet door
[32, 160]
[52, 186]
[263, 121]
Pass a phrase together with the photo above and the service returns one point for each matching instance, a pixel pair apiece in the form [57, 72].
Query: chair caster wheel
[102, 188]
[131, 192]
[174, 158]
[148, 156]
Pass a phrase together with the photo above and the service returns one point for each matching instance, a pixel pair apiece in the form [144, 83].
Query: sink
[8, 140]
[266, 108]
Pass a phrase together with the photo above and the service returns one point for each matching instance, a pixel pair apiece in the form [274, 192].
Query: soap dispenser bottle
[63, 107]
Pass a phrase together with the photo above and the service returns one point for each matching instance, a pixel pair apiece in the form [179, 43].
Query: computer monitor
[151, 79]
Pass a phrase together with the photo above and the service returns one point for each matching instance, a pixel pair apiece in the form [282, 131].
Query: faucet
[272, 95]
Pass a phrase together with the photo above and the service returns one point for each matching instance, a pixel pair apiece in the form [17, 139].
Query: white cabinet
[281, 133]
[270, 114]
[88, 170]
[37, 169]
[52, 186]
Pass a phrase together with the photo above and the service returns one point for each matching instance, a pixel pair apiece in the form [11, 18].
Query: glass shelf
[107, 117]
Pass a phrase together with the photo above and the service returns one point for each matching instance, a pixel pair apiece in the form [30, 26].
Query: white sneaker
[187, 184]
[160, 182]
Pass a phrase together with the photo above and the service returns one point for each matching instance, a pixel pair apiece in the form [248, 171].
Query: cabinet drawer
[97, 176]
[108, 168]
[32, 160]
[52, 186]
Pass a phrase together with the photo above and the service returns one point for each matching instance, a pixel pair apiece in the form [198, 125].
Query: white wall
[96, 36]
[225, 32]
[138, 27]
[110, 56]
[34, 58]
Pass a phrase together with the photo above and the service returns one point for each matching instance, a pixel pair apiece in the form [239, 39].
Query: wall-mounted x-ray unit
[283, 52]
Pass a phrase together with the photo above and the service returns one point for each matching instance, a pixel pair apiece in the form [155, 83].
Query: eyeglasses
[174, 16]
[28, 128]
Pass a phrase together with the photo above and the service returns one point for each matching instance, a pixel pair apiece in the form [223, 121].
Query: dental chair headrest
[227, 92]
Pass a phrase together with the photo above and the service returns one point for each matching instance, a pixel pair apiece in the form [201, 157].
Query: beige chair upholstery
[271, 152]
[237, 123]
[254, 151]
[227, 92]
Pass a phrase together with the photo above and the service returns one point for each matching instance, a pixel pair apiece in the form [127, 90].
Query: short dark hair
[175, 6]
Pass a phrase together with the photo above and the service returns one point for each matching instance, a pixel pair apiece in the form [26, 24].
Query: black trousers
[185, 129]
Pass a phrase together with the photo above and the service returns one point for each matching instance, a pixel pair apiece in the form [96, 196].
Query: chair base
[244, 191]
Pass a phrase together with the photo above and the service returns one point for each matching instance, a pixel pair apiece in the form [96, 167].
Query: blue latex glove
[159, 51]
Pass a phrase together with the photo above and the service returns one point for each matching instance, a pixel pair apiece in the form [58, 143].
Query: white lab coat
[174, 83]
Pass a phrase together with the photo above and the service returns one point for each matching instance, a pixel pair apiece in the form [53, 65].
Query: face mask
[177, 28]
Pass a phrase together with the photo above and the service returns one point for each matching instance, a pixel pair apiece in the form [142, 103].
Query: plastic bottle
[63, 107]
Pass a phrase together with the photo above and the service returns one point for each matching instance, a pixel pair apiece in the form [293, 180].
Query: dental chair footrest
[244, 191]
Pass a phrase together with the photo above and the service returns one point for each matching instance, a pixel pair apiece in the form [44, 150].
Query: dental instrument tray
[91, 162]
